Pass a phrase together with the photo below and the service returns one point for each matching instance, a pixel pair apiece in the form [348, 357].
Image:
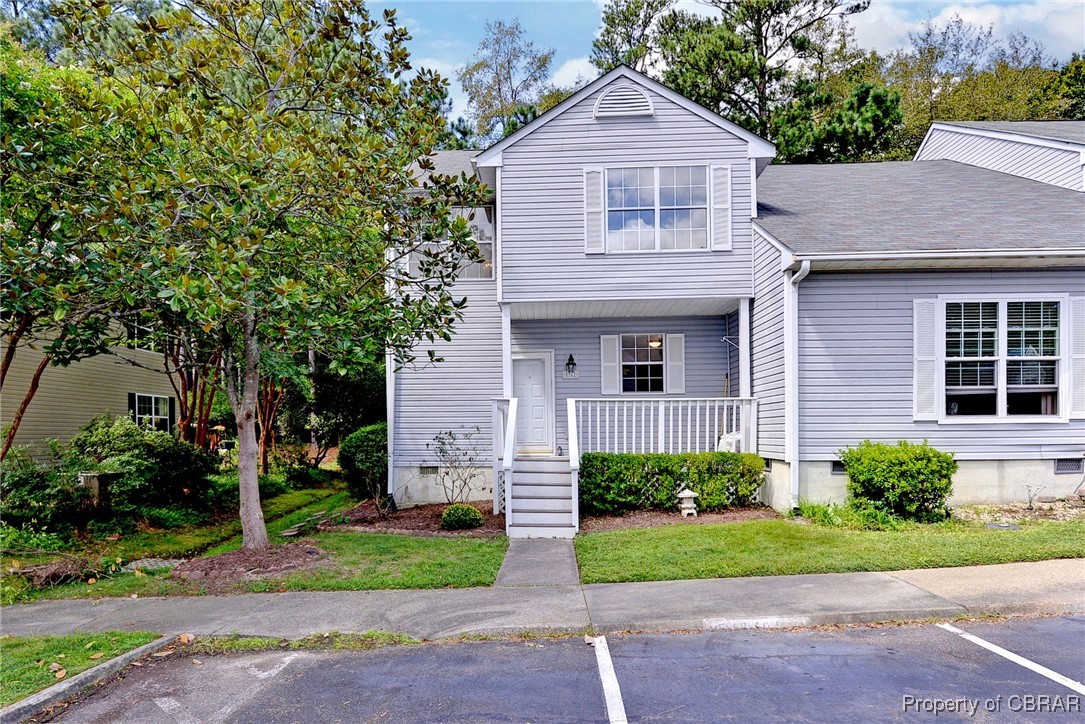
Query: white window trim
[663, 363]
[1064, 360]
[139, 419]
[657, 208]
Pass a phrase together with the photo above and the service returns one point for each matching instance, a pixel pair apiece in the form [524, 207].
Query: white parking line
[1019, 660]
[173, 707]
[611, 691]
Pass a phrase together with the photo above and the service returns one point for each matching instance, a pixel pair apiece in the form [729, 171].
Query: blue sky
[446, 32]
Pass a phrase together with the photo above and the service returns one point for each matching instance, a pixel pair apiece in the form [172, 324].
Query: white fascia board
[943, 254]
[1002, 135]
[758, 147]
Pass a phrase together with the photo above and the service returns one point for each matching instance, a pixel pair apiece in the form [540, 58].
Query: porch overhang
[614, 308]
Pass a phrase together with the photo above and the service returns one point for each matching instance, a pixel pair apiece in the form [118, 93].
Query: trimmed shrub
[460, 516]
[907, 480]
[363, 457]
[152, 469]
[616, 483]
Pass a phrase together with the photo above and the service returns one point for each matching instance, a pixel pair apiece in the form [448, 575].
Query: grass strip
[317, 642]
[29, 664]
[782, 547]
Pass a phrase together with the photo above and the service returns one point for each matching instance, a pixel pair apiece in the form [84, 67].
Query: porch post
[506, 351]
[745, 388]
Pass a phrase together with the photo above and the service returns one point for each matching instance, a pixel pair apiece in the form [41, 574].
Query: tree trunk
[9, 437]
[244, 403]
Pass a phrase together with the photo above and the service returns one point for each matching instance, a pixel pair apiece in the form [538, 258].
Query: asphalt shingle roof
[1069, 131]
[915, 206]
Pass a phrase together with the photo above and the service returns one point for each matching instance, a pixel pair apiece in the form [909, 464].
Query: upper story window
[482, 230]
[640, 209]
[1003, 358]
[657, 208]
[151, 411]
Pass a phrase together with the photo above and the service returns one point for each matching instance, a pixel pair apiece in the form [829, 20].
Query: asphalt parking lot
[895, 673]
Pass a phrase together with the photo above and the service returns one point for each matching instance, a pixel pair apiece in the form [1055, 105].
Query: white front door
[531, 385]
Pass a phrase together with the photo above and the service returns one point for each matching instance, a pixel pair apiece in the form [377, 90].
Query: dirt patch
[1018, 512]
[221, 572]
[655, 518]
[420, 520]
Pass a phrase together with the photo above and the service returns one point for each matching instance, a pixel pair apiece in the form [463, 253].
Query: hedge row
[615, 483]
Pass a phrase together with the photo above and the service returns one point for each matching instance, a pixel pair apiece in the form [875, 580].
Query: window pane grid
[153, 411]
[983, 379]
[642, 362]
[639, 221]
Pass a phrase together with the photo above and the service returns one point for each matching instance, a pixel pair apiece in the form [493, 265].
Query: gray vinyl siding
[68, 397]
[1056, 166]
[855, 364]
[456, 392]
[542, 208]
[706, 358]
[767, 348]
[730, 327]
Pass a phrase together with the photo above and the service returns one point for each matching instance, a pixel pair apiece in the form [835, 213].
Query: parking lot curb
[68, 688]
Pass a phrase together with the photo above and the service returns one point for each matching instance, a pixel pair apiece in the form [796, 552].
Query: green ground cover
[29, 664]
[784, 547]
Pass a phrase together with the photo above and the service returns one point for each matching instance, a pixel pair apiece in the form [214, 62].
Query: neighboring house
[656, 285]
[69, 397]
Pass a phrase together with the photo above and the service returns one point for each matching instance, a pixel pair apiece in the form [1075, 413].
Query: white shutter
[925, 374]
[610, 368]
[594, 228]
[674, 356]
[721, 208]
[1077, 358]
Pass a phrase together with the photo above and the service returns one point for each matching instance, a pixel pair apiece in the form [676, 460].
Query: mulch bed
[656, 518]
[420, 520]
[242, 564]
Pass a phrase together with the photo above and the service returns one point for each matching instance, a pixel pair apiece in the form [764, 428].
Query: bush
[460, 516]
[363, 458]
[152, 469]
[615, 483]
[907, 480]
[38, 497]
[24, 538]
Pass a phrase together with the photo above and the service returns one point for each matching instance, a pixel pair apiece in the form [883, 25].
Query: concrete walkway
[539, 562]
[782, 601]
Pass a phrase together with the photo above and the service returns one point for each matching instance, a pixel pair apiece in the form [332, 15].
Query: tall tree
[628, 34]
[737, 63]
[506, 72]
[58, 293]
[276, 195]
[1069, 88]
[35, 24]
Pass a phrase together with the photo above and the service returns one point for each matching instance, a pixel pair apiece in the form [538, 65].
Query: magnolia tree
[277, 195]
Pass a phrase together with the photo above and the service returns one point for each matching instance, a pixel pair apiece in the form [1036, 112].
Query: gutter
[791, 375]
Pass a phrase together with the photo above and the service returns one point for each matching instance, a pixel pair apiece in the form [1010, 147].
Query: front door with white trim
[532, 376]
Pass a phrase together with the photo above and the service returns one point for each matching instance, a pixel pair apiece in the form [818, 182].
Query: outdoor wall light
[570, 372]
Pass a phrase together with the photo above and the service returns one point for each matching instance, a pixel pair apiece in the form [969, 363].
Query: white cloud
[1058, 24]
[573, 71]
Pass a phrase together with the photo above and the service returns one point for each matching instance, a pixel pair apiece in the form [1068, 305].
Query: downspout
[792, 392]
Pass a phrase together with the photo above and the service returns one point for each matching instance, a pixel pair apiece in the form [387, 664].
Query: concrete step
[544, 517]
[541, 531]
[521, 490]
[559, 505]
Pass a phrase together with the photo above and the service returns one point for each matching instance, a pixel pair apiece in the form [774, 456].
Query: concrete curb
[57, 693]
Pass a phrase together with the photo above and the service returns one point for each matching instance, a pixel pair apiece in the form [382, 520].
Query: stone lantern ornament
[687, 502]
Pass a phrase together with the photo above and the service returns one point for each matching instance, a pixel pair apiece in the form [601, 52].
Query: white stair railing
[504, 449]
[689, 424]
[574, 463]
[507, 456]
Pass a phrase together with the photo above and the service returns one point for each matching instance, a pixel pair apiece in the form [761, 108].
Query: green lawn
[782, 547]
[27, 663]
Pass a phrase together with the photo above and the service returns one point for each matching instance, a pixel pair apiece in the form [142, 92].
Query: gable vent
[623, 100]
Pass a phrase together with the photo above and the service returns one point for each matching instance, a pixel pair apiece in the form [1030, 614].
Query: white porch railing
[622, 425]
[504, 450]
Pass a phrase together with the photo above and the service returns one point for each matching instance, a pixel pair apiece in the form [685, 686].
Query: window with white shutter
[1077, 358]
[985, 358]
[721, 208]
[674, 350]
[610, 369]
